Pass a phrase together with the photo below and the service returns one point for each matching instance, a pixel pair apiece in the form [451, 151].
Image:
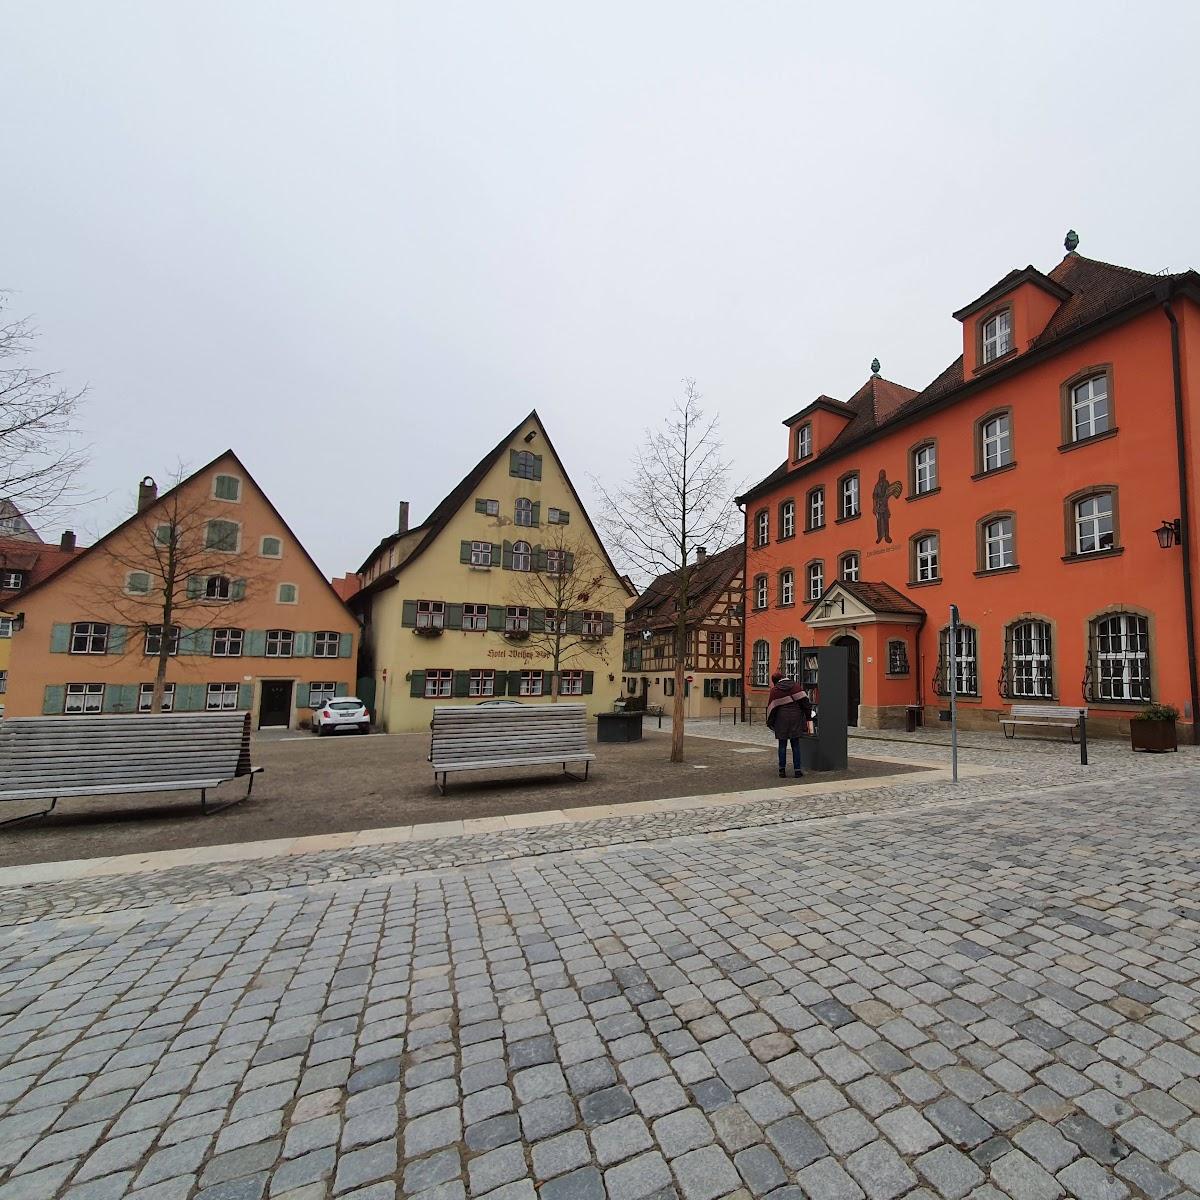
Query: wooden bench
[1047, 715]
[49, 758]
[488, 736]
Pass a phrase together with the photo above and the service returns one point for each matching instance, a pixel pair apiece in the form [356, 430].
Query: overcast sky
[357, 241]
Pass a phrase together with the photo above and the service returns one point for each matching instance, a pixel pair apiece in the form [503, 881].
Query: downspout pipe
[1185, 524]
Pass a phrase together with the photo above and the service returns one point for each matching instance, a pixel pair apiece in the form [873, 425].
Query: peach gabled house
[257, 625]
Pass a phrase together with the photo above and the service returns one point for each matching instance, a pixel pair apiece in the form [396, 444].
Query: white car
[344, 712]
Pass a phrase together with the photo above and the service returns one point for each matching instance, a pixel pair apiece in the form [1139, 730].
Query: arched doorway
[854, 669]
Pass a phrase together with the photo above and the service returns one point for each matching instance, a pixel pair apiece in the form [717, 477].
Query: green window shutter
[500, 685]
[115, 699]
[574, 622]
[537, 620]
[129, 701]
[408, 618]
[588, 676]
[417, 690]
[255, 645]
[187, 641]
[454, 616]
[302, 695]
[464, 552]
[570, 562]
[539, 558]
[341, 689]
[195, 587]
[189, 697]
[537, 512]
[496, 617]
[345, 645]
[564, 517]
[514, 683]
[537, 466]
[54, 698]
[497, 553]
[239, 589]
[506, 556]
[512, 462]
[60, 641]
[609, 623]
[245, 695]
[462, 683]
[302, 645]
[116, 639]
[480, 507]
[547, 683]
[202, 640]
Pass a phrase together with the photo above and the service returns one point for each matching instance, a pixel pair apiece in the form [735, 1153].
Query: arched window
[760, 591]
[524, 465]
[804, 441]
[996, 336]
[1028, 667]
[1090, 408]
[848, 496]
[521, 556]
[1119, 658]
[787, 519]
[789, 657]
[762, 527]
[1094, 523]
[924, 472]
[816, 579]
[997, 542]
[524, 512]
[966, 663]
[848, 566]
[925, 559]
[218, 587]
[787, 587]
[762, 664]
[816, 508]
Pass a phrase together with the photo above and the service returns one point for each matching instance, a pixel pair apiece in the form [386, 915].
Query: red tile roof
[656, 607]
[38, 560]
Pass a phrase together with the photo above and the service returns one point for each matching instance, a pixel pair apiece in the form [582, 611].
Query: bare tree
[38, 460]
[178, 559]
[569, 581]
[676, 498]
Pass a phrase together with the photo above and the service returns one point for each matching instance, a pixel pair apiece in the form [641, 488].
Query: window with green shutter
[271, 547]
[137, 583]
[408, 615]
[417, 684]
[227, 487]
[223, 536]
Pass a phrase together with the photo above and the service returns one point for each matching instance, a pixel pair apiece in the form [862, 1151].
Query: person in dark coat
[789, 711]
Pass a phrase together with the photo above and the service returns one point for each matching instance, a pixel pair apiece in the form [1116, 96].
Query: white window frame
[570, 683]
[230, 639]
[762, 528]
[997, 335]
[550, 621]
[220, 697]
[850, 573]
[965, 660]
[1030, 669]
[716, 643]
[523, 513]
[593, 623]
[525, 464]
[11, 581]
[556, 562]
[1093, 518]
[1122, 674]
[1091, 413]
[925, 469]
[522, 556]
[926, 557]
[3, 682]
[481, 554]
[533, 683]
[482, 682]
[6, 627]
[558, 516]
[815, 573]
[89, 698]
[439, 683]
[491, 508]
[321, 692]
[213, 589]
[789, 657]
[89, 637]
[803, 441]
[327, 643]
[816, 508]
[787, 587]
[998, 544]
[146, 697]
[153, 641]
[431, 614]
[762, 592]
[761, 663]
[283, 641]
[850, 497]
[516, 618]
[995, 442]
[477, 616]
[787, 519]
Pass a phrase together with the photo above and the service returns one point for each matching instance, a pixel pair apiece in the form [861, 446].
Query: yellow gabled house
[505, 593]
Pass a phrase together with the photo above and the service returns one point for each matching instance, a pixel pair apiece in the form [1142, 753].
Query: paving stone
[949, 1172]
[796, 1142]
[638, 1178]
[606, 1105]
[760, 1169]
[442, 1167]
[959, 1123]
[495, 1168]
[487, 1135]
[908, 1130]
[583, 1184]
[880, 1171]
[705, 1174]
[1088, 1180]
[561, 1154]
[679, 1132]
[827, 1180]
[1023, 1179]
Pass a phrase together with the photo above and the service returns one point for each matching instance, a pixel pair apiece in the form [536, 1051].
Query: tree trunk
[677, 709]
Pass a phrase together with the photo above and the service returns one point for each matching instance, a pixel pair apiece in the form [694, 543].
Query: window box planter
[429, 631]
[517, 635]
[1154, 730]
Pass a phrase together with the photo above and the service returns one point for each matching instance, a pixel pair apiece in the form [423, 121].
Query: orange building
[1045, 483]
[254, 624]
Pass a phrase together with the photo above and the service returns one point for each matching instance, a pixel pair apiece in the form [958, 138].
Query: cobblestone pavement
[967, 995]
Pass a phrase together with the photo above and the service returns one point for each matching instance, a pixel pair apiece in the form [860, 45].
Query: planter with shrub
[1154, 729]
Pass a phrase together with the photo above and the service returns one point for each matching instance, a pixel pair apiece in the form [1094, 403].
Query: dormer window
[997, 335]
[804, 441]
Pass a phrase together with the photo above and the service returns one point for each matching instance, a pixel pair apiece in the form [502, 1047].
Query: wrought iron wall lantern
[1168, 534]
[827, 606]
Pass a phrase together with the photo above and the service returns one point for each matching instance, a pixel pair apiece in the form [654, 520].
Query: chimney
[147, 493]
[701, 553]
[67, 541]
[402, 518]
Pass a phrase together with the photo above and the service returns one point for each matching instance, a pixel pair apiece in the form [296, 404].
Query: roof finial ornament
[1071, 241]
[874, 366]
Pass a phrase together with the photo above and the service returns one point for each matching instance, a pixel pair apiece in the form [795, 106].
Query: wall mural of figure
[881, 497]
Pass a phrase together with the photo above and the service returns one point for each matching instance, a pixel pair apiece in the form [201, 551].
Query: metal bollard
[1083, 762]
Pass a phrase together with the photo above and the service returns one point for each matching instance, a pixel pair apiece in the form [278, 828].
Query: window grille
[1118, 664]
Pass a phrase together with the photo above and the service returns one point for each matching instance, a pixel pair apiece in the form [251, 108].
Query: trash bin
[912, 718]
[619, 727]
